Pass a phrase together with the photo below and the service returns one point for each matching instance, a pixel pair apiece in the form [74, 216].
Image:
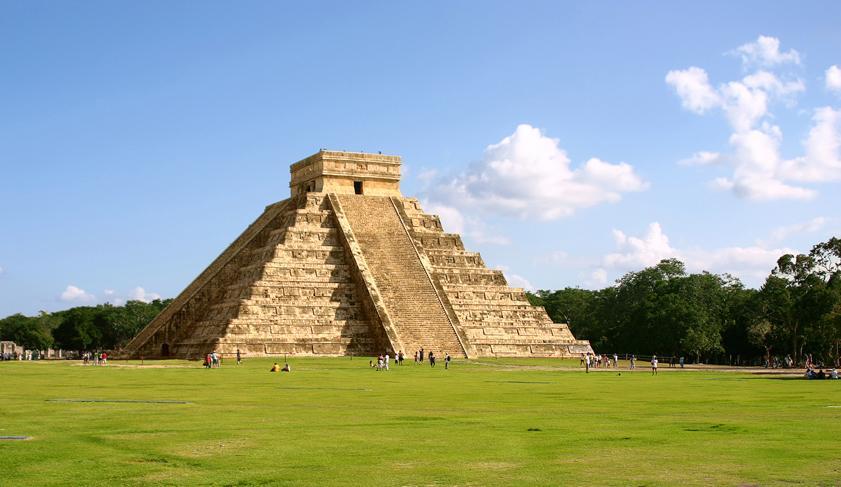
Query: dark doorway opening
[357, 187]
[165, 350]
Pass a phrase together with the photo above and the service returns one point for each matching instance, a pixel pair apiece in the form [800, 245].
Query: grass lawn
[333, 421]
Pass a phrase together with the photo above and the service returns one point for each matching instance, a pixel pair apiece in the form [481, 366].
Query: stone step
[409, 296]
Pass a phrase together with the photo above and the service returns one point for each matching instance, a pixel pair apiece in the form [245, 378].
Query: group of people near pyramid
[384, 360]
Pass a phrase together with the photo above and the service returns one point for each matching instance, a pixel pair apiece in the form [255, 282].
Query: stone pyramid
[348, 265]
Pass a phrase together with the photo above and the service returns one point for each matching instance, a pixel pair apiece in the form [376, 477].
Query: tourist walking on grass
[633, 362]
[447, 359]
[239, 357]
[615, 360]
[387, 358]
[431, 359]
[420, 355]
[587, 363]
[416, 357]
[400, 358]
[654, 365]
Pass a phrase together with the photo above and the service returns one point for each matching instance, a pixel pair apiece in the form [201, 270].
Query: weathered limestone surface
[347, 265]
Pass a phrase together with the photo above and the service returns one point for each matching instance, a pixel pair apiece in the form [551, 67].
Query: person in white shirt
[654, 365]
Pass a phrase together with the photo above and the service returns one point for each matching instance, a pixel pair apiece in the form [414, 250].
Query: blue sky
[568, 142]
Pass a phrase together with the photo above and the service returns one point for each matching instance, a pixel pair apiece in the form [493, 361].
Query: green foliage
[663, 310]
[33, 332]
[83, 327]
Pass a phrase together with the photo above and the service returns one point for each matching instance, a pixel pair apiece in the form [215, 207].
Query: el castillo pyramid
[348, 265]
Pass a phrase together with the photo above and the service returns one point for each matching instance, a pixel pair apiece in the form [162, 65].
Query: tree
[29, 332]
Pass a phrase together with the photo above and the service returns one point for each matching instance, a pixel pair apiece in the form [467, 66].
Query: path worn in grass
[335, 422]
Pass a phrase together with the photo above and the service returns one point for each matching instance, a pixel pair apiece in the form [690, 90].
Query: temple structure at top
[348, 265]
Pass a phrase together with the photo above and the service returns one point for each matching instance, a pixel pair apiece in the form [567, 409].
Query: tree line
[664, 310]
[101, 327]
[659, 310]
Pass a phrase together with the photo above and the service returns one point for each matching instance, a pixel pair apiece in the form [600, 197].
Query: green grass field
[336, 422]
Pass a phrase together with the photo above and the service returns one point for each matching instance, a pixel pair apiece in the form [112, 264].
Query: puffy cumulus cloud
[597, 279]
[765, 51]
[528, 174]
[832, 78]
[760, 172]
[694, 89]
[822, 158]
[633, 253]
[637, 252]
[701, 158]
[73, 294]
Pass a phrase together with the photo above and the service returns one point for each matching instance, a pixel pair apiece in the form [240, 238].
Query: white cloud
[810, 226]
[822, 160]
[454, 221]
[760, 172]
[515, 280]
[140, 294]
[427, 175]
[637, 252]
[702, 158]
[765, 51]
[2, 270]
[597, 280]
[833, 79]
[451, 219]
[77, 295]
[693, 87]
[634, 253]
[528, 174]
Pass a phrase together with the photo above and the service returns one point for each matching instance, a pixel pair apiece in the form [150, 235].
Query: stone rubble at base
[348, 265]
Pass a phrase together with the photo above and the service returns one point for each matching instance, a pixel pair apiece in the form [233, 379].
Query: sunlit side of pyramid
[348, 265]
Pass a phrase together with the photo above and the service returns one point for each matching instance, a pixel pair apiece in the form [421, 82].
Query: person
[416, 357]
[286, 368]
[615, 360]
[420, 355]
[633, 362]
[821, 375]
[214, 360]
[431, 359]
[275, 368]
[207, 361]
[387, 358]
[380, 362]
[400, 358]
[447, 359]
[104, 358]
[671, 361]
[581, 362]
[833, 374]
[587, 363]
[239, 357]
[681, 362]
[654, 365]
